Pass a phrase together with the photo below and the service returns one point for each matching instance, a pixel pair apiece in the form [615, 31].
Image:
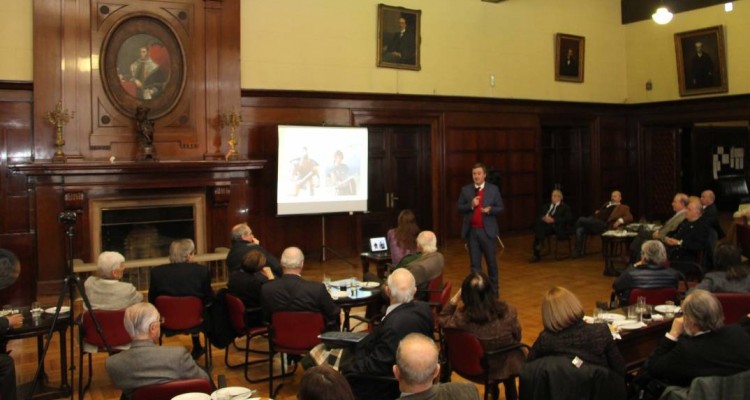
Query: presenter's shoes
[197, 352]
[576, 254]
[535, 259]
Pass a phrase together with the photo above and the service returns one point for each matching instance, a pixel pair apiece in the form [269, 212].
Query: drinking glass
[669, 312]
[633, 312]
[36, 306]
[598, 315]
[641, 304]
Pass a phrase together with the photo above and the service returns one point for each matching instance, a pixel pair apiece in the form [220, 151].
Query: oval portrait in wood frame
[143, 64]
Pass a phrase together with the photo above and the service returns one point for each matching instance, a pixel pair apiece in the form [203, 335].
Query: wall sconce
[662, 15]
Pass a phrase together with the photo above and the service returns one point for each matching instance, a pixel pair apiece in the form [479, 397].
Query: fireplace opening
[141, 228]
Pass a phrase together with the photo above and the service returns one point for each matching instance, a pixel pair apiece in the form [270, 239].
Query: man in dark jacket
[243, 241]
[554, 219]
[649, 273]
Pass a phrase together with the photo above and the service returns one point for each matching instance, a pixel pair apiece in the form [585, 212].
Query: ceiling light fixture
[662, 15]
[728, 6]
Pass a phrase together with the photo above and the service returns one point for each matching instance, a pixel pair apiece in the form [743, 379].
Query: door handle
[387, 200]
[393, 200]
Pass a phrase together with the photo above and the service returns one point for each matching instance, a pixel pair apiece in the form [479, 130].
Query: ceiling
[640, 10]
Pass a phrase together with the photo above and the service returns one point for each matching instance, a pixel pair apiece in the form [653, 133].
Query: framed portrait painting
[701, 61]
[398, 37]
[569, 52]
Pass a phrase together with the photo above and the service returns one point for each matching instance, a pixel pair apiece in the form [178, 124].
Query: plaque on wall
[143, 64]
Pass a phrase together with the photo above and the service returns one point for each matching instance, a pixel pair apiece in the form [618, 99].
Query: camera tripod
[71, 283]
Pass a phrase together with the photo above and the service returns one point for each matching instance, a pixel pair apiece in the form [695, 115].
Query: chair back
[743, 239]
[236, 309]
[654, 296]
[295, 332]
[465, 354]
[166, 391]
[434, 289]
[112, 324]
[180, 313]
[445, 294]
[735, 305]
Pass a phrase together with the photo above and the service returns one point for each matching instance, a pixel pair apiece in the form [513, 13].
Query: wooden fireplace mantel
[46, 168]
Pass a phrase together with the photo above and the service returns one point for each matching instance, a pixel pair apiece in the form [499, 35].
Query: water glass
[641, 304]
[633, 312]
[669, 313]
[598, 315]
[36, 306]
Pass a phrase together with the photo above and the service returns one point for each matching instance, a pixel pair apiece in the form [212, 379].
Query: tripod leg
[92, 313]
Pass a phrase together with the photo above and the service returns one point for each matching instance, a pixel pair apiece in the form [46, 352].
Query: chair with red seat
[183, 315]
[291, 333]
[654, 296]
[735, 305]
[113, 331]
[468, 358]
[237, 314]
[166, 391]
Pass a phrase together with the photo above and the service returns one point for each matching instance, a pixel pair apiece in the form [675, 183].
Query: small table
[380, 260]
[40, 330]
[637, 345]
[616, 247]
[359, 298]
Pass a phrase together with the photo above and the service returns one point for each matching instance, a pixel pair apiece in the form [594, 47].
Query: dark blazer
[447, 391]
[247, 287]
[711, 217]
[492, 198]
[721, 353]
[241, 247]
[591, 343]
[148, 364]
[181, 279]
[557, 378]
[647, 276]
[563, 217]
[694, 236]
[292, 293]
[376, 353]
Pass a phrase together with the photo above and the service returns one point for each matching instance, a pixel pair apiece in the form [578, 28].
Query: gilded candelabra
[232, 120]
[59, 118]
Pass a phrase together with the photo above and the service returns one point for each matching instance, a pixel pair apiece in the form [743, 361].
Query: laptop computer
[379, 245]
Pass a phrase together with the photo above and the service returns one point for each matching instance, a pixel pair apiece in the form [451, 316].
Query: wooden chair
[183, 315]
[654, 296]
[166, 391]
[237, 312]
[291, 332]
[468, 358]
[113, 331]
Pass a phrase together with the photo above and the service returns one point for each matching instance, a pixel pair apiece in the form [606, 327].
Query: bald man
[691, 236]
[376, 353]
[417, 367]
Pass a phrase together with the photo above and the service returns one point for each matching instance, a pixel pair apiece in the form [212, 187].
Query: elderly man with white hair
[147, 363]
[376, 353]
[430, 263]
[105, 291]
[293, 293]
[417, 367]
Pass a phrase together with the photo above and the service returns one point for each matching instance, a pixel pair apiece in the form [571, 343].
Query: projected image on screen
[321, 170]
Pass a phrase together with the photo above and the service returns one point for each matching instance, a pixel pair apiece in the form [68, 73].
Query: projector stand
[323, 246]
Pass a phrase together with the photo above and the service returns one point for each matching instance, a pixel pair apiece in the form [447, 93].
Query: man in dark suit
[553, 220]
[611, 215]
[479, 203]
[691, 236]
[376, 353]
[146, 363]
[292, 293]
[711, 213]
[401, 49]
[181, 278]
[679, 204]
[243, 241]
[699, 344]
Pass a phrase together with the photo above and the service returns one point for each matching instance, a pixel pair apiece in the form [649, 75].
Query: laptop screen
[378, 244]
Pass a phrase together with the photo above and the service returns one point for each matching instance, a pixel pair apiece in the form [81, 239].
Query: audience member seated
[699, 344]
[553, 219]
[565, 333]
[243, 241]
[691, 237]
[10, 268]
[147, 363]
[180, 278]
[402, 240]
[376, 353]
[649, 273]
[493, 321]
[324, 383]
[679, 203]
[429, 265]
[730, 276]
[105, 291]
[611, 215]
[292, 293]
[417, 367]
[711, 213]
[246, 283]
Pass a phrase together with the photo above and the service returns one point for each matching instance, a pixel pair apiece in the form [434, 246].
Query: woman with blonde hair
[566, 334]
[402, 239]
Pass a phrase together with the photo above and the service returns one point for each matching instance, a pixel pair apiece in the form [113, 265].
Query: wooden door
[564, 165]
[399, 177]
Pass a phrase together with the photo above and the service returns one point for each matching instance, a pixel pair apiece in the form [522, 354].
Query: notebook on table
[379, 245]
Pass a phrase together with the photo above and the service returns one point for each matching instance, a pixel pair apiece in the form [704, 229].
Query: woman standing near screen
[402, 239]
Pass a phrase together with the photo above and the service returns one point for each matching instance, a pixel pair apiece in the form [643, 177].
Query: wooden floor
[521, 284]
